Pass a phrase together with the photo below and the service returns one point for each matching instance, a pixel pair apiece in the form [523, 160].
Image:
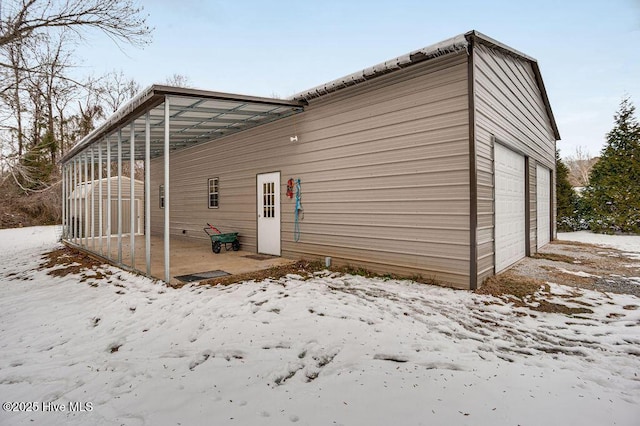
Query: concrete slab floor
[188, 256]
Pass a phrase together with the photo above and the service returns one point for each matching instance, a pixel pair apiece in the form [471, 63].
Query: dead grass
[66, 260]
[569, 279]
[546, 306]
[363, 272]
[527, 292]
[558, 258]
[306, 268]
[510, 284]
[301, 267]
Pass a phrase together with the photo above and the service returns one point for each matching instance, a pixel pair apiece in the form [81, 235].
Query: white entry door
[543, 186]
[509, 207]
[269, 213]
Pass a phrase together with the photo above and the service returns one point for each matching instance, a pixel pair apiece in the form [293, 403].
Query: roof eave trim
[153, 96]
[146, 99]
[452, 45]
[208, 94]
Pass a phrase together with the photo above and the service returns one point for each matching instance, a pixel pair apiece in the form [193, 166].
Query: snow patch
[342, 349]
[578, 273]
[629, 244]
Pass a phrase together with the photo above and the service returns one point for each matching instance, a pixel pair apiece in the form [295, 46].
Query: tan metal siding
[384, 169]
[509, 106]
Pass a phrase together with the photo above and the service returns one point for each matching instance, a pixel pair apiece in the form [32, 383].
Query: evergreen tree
[612, 198]
[37, 166]
[566, 198]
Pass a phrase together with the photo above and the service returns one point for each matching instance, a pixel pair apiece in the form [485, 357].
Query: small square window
[161, 191]
[214, 196]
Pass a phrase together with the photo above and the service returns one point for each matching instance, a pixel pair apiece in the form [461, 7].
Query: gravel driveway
[585, 266]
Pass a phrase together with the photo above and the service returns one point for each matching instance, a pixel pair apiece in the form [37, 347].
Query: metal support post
[93, 202]
[147, 191]
[100, 183]
[167, 190]
[132, 198]
[119, 196]
[109, 204]
[86, 200]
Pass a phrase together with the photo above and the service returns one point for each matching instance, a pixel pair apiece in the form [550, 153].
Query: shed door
[543, 185]
[269, 213]
[126, 216]
[509, 207]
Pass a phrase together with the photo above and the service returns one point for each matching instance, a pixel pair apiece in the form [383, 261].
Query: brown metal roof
[451, 45]
[198, 115]
[455, 44]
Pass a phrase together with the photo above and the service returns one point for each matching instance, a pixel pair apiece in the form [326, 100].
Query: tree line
[610, 200]
[45, 109]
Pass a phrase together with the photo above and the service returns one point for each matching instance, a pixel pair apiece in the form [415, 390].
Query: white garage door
[544, 205]
[509, 205]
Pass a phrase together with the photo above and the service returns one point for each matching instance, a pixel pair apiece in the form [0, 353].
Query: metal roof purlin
[154, 96]
[247, 120]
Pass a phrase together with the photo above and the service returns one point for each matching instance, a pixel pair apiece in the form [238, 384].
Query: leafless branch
[580, 164]
[119, 19]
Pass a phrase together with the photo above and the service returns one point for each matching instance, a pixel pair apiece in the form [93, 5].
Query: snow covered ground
[327, 350]
[630, 244]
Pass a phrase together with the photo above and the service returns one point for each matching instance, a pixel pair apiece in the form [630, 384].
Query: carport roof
[196, 116]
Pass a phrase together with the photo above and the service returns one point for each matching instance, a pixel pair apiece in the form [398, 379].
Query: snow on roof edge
[450, 45]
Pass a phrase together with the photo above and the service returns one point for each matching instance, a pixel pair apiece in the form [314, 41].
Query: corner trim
[554, 197]
[527, 204]
[473, 178]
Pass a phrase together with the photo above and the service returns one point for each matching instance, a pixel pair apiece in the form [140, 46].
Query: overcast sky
[588, 50]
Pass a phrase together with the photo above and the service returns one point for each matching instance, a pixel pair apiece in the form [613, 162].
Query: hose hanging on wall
[299, 212]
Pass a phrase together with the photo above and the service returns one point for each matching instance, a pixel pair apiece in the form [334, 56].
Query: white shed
[85, 193]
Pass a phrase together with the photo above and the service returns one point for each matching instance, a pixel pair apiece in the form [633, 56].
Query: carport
[158, 121]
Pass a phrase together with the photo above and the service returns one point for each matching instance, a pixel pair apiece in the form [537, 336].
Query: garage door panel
[543, 198]
[510, 207]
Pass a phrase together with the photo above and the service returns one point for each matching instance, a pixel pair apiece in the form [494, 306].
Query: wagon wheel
[215, 246]
[236, 245]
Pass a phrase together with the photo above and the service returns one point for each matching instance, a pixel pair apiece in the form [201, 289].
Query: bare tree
[178, 80]
[14, 100]
[39, 119]
[90, 111]
[54, 90]
[580, 164]
[119, 19]
[114, 89]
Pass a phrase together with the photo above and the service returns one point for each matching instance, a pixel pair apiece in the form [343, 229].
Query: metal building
[440, 162]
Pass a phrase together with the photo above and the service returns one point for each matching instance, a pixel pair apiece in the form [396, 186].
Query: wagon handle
[211, 228]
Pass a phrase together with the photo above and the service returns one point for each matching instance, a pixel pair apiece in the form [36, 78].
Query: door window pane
[268, 200]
